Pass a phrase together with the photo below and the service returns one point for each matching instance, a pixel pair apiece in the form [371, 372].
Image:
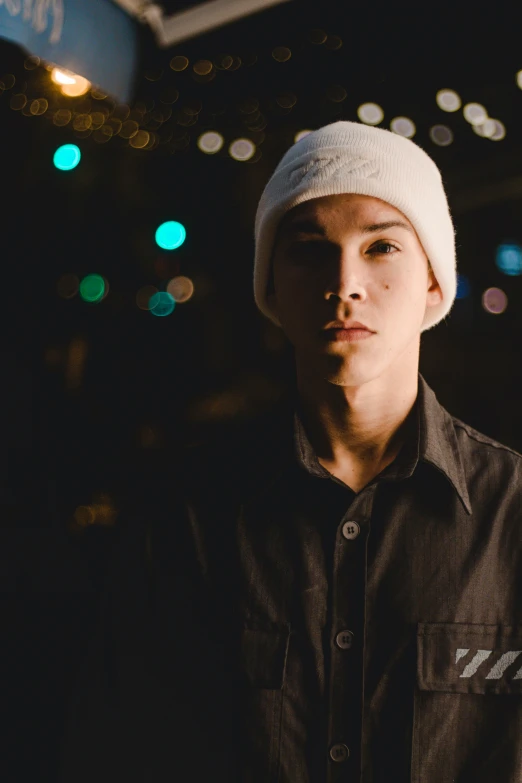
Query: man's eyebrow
[309, 226]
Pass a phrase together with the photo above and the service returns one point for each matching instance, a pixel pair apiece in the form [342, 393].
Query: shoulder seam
[484, 439]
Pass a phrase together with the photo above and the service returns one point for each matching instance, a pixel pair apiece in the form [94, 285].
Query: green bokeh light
[170, 235]
[162, 303]
[92, 288]
[67, 157]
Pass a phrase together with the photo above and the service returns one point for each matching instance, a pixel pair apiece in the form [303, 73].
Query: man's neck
[357, 431]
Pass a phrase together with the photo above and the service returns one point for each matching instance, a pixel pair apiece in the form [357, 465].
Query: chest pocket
[467, 723]
[263, 660]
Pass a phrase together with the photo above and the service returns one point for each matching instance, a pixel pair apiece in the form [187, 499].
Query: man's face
[327, 267]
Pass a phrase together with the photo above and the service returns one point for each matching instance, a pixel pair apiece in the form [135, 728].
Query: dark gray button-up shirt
[263, 622]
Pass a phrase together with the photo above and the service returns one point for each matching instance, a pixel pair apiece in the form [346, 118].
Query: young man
[334, 593]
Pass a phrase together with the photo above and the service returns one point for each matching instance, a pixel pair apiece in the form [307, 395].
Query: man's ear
[434, 290]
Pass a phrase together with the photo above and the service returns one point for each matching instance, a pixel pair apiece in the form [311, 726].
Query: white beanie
[350, 157]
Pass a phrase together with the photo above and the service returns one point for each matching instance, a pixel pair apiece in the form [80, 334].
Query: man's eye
[383, 244]
[303, 250]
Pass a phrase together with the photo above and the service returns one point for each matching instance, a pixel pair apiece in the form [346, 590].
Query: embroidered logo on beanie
[332, 167]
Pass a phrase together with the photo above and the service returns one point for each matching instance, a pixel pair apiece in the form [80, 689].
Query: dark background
[78, 433]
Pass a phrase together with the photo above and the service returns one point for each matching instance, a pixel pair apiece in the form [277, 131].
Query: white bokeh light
[210, 142]
[448, 100]
[300, 135]
[486, 129]
[491, 129]
[370, 113]
[475, 113]
[500, 131]
[242, 149]
[403, 126]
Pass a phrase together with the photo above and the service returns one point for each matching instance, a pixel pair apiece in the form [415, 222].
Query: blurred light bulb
[80, 87]
[60, 76]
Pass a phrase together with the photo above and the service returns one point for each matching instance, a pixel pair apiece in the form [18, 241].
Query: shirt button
[339, 752]
[351, 530]
[344, 640]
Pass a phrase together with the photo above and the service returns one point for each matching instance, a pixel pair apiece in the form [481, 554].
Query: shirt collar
[431, 438]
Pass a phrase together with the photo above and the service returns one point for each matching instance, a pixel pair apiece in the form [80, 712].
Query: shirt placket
[345, 702]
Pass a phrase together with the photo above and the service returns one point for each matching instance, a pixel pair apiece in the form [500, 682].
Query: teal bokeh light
[170, 235]
[67, 157]
[509, 258]
[162, 303]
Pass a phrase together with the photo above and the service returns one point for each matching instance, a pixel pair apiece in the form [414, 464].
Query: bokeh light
[242, 149]
[180, 288]
[80, 87]
[179, 63]
[67, 157]
[61, 76]
[463, 287]
[490, 129]
[494, 301]
[370, 113]
[170, 235]
[92, 288]
[128, 129]
[210, 142]
[448, 100]
[486, 128]
[62, 117]
[300, 135]
[475, 113]
[281, 54]
[500, 131]
[202, 67]
[441, 135]
[509, 259]
[161, 304]
[38, 106]
[70, 83]
[140, 139]
[403, 126]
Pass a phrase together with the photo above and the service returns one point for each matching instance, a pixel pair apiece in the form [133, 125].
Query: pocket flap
[469, 658]
[263, 656]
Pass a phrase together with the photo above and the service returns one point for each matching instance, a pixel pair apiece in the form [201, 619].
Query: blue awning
[92, 38]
